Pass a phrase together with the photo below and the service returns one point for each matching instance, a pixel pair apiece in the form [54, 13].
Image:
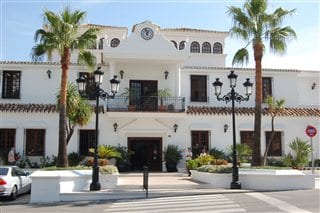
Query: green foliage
[123, 161]
[244, 152]
[62, 34]
[215, 169]
[217, 153]
[163, 93]
[192, 164]
[109, 169]
[106, 151]
[21, 163]
[204, 159]
[53, 168]
[128, 93]
[254, 25]
[172, 153]
[301, 151]
[74, 159]
[44, 162]
[287, 160]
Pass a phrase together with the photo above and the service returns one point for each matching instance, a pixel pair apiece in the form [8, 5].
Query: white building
[185, 61]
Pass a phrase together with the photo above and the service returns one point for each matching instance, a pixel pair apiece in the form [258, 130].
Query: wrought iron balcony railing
[146, 104]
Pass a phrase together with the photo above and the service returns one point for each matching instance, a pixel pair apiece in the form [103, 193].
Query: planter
[55, 183]
[171, 166]
[109, 181]
[260, 179]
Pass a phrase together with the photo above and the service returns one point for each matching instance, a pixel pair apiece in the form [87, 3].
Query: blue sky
[21, 18]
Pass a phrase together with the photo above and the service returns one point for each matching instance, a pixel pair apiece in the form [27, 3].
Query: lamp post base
[235, 185]
[95, 185]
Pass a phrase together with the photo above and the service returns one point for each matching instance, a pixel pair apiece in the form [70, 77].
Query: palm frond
[241, 57]
[86, 39]
[278, 38]
[239, 33]
[87, 58]
[277, 17]
[255, 8]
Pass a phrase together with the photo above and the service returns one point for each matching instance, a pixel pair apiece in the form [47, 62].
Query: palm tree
[254, 25]
[274, 109]
[61, 34]
[79, 110]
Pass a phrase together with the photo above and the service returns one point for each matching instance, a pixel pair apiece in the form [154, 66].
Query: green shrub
[301, 150]
[123, 161]
[275, 162]
[192, 164]
[21, 163]
[106, 151]
[172, 153]
[217, 153]
[244, 152]
[109, 169]
[287, 160]
[215, 169]
[204, 159]
[74, 159]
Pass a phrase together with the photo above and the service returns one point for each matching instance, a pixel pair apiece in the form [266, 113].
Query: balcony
[146, 104]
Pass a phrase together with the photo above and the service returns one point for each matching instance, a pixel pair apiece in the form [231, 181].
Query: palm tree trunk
[258, 53]
[269, 142]
[62, 159]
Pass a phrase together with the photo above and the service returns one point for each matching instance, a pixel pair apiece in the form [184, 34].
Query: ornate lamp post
[99, 93]
[233, 96]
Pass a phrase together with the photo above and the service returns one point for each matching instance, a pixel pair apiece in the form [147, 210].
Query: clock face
[147, 33]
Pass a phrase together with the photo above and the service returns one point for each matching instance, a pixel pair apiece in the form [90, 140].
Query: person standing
[11, 157]
[188, 157]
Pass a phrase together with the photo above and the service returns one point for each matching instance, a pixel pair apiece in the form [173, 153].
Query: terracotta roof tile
[42, 108]
[35, 108]
[34, 62]
[246, 111]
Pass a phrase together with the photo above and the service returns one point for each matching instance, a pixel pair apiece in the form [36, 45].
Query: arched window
[206, 47]
[195, 47]
[100, 46]
[174, 43]
[114, 42]
[182, 45]
[217, 48]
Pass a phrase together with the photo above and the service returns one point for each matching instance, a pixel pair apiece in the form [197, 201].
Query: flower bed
[259, 179]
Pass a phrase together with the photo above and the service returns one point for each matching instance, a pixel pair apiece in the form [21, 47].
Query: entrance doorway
[145, 152]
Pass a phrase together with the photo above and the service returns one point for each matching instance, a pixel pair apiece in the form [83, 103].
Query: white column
[178, 80]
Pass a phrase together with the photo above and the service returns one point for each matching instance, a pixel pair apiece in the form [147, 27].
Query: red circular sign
[311, 131]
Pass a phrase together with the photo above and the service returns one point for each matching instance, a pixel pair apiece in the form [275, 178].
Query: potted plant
[244, 153]
[129, 93]
[163, 93]
[172, 156]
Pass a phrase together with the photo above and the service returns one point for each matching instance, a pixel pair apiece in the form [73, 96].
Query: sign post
[311, 131]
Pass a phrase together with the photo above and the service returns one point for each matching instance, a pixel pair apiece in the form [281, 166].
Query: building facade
[150, 60]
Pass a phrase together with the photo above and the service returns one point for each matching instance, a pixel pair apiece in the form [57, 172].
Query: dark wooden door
[145, 152]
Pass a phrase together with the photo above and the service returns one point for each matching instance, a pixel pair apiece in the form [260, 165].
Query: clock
[147, 33]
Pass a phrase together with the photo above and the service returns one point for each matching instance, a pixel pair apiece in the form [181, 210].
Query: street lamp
[233, 96]
[99, 93]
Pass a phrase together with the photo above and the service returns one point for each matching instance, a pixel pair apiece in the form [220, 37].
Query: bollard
[145, 179]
